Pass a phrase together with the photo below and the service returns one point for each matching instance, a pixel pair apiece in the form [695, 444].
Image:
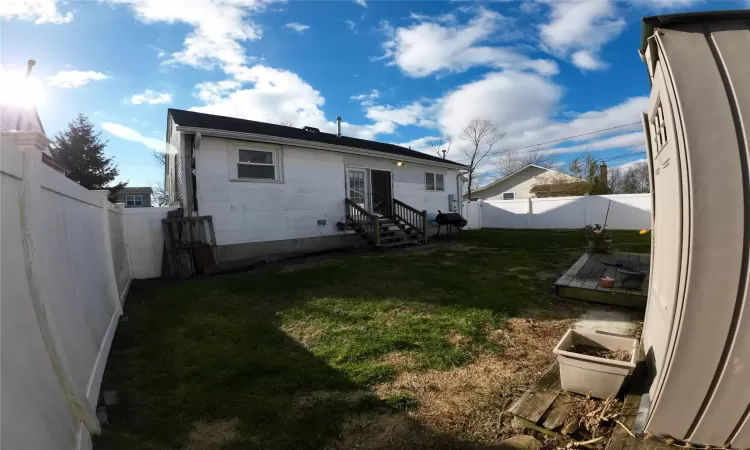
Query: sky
[399, 72]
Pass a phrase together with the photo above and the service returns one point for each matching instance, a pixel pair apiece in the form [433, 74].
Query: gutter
[314, 145]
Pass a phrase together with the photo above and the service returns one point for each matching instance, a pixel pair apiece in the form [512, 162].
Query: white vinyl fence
[66, 269]
[626, 212]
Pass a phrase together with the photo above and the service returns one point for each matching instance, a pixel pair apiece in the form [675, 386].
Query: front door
[382, 198]
[356, 182]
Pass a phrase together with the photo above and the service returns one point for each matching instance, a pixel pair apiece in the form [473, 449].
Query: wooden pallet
[581, 281]
[546, 408]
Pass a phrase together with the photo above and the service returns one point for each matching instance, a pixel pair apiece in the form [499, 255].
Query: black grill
[450, 220]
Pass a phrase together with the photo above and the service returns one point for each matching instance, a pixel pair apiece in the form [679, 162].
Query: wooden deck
[546, 409]
[581, 281]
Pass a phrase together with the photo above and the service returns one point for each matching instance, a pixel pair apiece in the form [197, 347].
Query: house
[21, 121]
[696, 334]
[274, 189]
[518, 185]
[134, 197]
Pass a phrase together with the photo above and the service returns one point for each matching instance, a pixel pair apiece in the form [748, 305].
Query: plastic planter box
[583, 374]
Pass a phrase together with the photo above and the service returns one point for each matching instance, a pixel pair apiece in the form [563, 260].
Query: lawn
[420, 348]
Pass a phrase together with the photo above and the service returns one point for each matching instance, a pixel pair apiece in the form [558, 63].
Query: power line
[570, 137]
[627, 153]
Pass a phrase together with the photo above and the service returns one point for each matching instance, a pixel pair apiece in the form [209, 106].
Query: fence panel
[505, 214]
[626, 212]
[145, 240]
[62, 262]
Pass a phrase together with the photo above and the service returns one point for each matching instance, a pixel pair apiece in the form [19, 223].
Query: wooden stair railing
[411, 216]
[362, 220]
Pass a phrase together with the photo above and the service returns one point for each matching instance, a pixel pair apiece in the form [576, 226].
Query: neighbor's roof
[136, 190]
[210, 121]
[512, 174]
[670, 20]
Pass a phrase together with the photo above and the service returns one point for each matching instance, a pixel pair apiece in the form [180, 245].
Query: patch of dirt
[213, 435]
[459, 340]
[387, 430]
[468, 402]
[400, 360]
[315, 397]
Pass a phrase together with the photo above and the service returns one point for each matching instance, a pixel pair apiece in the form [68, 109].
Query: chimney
[338, 126]
[603, 173]
[29, 67]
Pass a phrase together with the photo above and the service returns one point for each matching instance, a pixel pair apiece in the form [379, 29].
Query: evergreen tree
[81, 149]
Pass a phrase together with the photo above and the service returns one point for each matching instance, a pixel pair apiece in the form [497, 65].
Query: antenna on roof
[338, 126]
[29, 67]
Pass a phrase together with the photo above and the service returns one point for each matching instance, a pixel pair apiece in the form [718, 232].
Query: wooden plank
[571, 273]
[558, 412]
[593, 279]
[610, 298]
[534, 403]
[583, 274]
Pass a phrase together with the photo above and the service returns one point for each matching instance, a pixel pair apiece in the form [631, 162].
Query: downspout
[459, 194]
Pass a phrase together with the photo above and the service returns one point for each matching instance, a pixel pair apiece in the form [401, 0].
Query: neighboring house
[134, 197]
[518, 184]
[18, 121]
[273, 189]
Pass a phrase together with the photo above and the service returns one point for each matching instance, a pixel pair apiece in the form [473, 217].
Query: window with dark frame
[256, 165]
[509, 195]
[434, 181]
[134, 200]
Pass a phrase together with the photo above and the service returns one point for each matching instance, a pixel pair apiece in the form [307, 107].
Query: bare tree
[160, 195]
[441, 146]
[512, 161]
[615, 179]
[635, 180]
[479, 136]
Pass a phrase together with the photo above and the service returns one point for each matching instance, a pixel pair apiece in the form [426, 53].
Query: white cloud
[362, 3]
[219, 27]
[415, 113]
[429, 46]
[580, 25]
[297, 27]
[586, 61]
[40, 11]
[352, 25]
[515, 101]
[212, 91]
[629, 165]
[74, 78]
[367, 99]
[129, 134]
[151, 97]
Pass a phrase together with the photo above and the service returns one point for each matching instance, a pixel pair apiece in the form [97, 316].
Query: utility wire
[630, 152]
[570, 137]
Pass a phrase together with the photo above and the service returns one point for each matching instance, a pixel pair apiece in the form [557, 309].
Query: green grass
[262, 346]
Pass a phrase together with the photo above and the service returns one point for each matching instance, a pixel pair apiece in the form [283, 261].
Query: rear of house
[518, 185]
[134, 197]
[273, 189]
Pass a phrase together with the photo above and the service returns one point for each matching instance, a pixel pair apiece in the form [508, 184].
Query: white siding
[520, 183]
[314, 188]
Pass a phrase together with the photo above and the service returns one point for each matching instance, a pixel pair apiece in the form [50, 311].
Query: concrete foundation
[236, 256]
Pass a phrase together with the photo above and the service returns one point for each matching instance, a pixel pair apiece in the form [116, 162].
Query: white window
[133, 200]
[434, 181]
[255, 162]
[509, 195]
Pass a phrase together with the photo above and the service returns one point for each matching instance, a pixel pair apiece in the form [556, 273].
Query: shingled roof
[210, 121]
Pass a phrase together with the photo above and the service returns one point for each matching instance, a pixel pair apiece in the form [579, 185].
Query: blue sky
[400, 72]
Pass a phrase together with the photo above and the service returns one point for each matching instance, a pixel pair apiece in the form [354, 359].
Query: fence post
[424, 224]
[529, 213]
[79, 406]
[107, 245]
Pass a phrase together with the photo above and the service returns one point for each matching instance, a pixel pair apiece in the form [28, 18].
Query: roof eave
[316, 145]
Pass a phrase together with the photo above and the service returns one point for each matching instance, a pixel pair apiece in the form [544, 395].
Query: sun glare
[17, 90]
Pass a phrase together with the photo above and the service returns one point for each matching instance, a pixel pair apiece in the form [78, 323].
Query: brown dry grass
[468, 402]
[212, 435]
